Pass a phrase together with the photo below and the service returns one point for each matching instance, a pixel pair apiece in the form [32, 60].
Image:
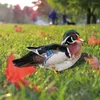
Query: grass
[79, 83]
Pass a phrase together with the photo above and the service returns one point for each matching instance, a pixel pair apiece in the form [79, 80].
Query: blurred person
[64, 18]
[53, 17]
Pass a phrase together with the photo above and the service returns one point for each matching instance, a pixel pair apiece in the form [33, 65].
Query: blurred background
[71, 12]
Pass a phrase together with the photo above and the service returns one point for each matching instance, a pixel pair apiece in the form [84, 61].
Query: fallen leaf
[51, 89]
[15, 74]
[92, 60]
[18, 29]
[36, 88]
[42, 34]
[93, 40]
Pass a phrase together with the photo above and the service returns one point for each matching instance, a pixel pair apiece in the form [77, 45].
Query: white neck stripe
[65, 39]
[69, 52]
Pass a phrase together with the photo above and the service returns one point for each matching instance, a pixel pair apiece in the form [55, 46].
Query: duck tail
[29, 59]
[25, 60]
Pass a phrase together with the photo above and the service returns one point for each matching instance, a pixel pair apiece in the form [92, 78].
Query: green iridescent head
[70, 37]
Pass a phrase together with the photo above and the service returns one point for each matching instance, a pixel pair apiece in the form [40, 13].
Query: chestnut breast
[75, 49]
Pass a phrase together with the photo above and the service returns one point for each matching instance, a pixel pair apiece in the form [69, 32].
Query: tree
[22, 16]
[14, 14]
[43, 7]
[18, 14]
[33, 16]
[30, 13]
[88, 8]
[91, 8]
[28, 10]
[6, 14]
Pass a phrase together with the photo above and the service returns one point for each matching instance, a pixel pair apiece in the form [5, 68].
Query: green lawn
[79, 83]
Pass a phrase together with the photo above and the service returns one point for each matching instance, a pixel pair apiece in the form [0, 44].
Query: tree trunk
[94, 19]
[91, 17]
[88, 16]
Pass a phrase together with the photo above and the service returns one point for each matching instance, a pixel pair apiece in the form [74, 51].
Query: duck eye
[74, 36]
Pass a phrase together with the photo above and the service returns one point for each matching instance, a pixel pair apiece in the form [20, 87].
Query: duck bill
[80, 40]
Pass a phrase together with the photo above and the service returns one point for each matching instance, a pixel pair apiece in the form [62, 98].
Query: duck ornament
[54, 56]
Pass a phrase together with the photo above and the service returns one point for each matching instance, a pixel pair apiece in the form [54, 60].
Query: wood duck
[54, 56]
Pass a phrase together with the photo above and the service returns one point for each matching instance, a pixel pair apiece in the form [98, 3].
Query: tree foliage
[6, 14]
[18, 14]
[76, 7]
[14, 14]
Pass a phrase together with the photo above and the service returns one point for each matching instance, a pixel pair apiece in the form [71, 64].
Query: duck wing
[52, 47]
[28, 59]
[38, 55]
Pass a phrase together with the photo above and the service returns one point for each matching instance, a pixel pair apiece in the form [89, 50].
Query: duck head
[71, 37]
